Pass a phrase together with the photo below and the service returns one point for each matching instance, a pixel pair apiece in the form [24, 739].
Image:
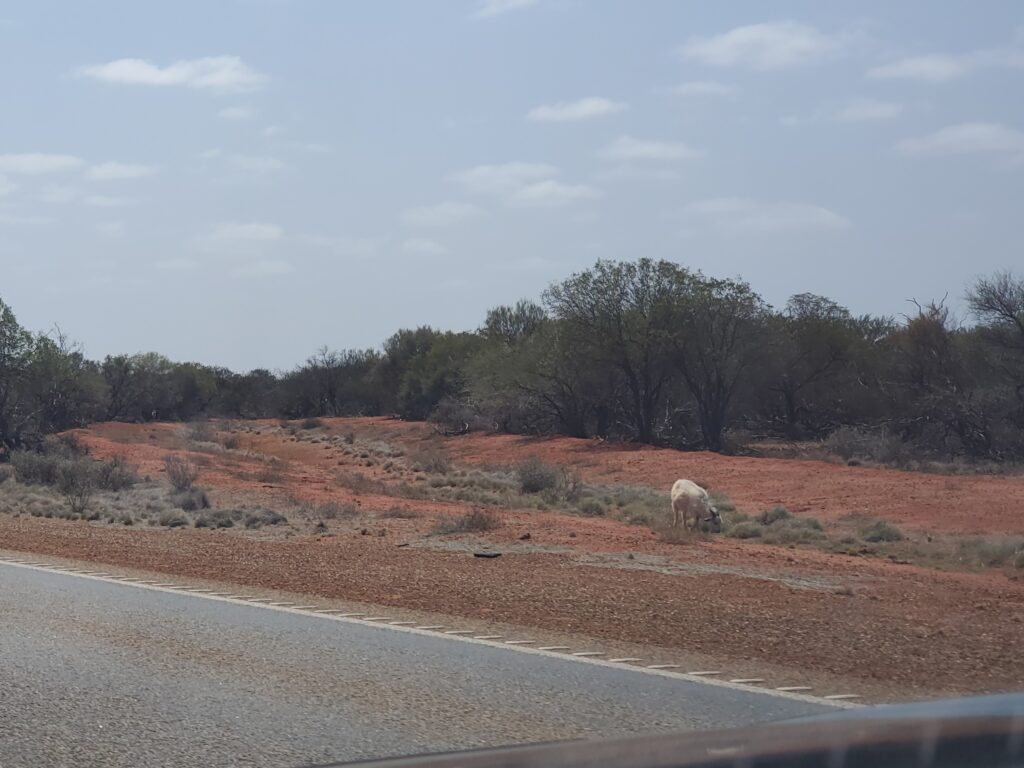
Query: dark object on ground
[487, 554]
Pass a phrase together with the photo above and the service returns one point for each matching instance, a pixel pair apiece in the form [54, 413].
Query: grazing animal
[690, 500]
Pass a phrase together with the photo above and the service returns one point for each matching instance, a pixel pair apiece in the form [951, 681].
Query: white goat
[689, 499]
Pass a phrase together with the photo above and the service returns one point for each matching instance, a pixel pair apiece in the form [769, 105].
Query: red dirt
[915, 630]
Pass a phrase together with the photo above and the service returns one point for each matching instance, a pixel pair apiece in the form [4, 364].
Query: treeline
[647, 351]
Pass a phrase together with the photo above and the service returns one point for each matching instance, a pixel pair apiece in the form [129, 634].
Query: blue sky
[241, 182]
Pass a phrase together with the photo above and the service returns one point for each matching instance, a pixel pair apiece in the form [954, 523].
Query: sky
[241, 182]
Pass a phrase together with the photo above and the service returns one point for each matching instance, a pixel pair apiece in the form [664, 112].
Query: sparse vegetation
[182, 472]
[219, 518]
[399, 513]
[312, 423]
[476, 521]
[201, 432]
[433, 460]
[191, 500]
[77, 484]
[879, 531]
[536, 476]
[258, 518]
[172, 519]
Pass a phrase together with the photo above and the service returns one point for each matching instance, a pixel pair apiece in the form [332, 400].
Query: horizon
[193, 181]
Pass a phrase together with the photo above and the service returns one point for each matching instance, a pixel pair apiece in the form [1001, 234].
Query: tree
[718, 340]
[15, 360]
[814, 339]
[998, 302]
[620, 314]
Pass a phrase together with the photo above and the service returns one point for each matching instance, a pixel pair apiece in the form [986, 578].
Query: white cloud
[627, 172]
[628, 148]
[935, 68]
[967, 138]
[113, 171]
[217, 73]
[237, 113]
[265, 268]
[424, 247]
[110, 228]
[852, 111]
[57, 194]
[702, 88]
[244, 232]
[177, 265]
[502, 178]
[255, 164]
[943, 67]
[487, 8]
[444, 214]
[551, 194]
[105, 201]
[358, 247]
[745, 215]
[774, 45]
[37, 164]
[867, 110]
[581, 109]
[272, 130]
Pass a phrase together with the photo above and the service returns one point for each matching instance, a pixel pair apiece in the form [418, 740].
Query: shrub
[432, 460]
[201, 432]
[77, 484]
[337, 510]
[676, 534]
[221, 518]
[171, 518]
[191, 500]
[746, 530]
[477, 520]
[880, 530]
[115, 474]
[592, 508]
[990, 551]
[774, 515]
[32, 468]
[272, 473]
[399, 513]
[260, 517]
[312, 423]
[6, 473]
[231, 442]
[535, 476]
[181, 472]
[361, 484]
[796, 530]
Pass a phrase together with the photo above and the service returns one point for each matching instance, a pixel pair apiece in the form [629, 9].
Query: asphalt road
[101, 674]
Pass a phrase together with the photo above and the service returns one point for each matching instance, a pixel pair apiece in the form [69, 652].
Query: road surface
[105, 674]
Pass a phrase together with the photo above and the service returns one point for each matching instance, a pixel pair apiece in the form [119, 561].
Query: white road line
[702, 673]
[488, 637]
[795, 688]
[375, 618]
[401, 623]
[299, 607]
[838, 701]
[520, 642]
[553, 648]
[431, 626]
[588, 653]
[748, 680]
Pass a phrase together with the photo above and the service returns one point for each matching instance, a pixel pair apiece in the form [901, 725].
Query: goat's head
[713, 519]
